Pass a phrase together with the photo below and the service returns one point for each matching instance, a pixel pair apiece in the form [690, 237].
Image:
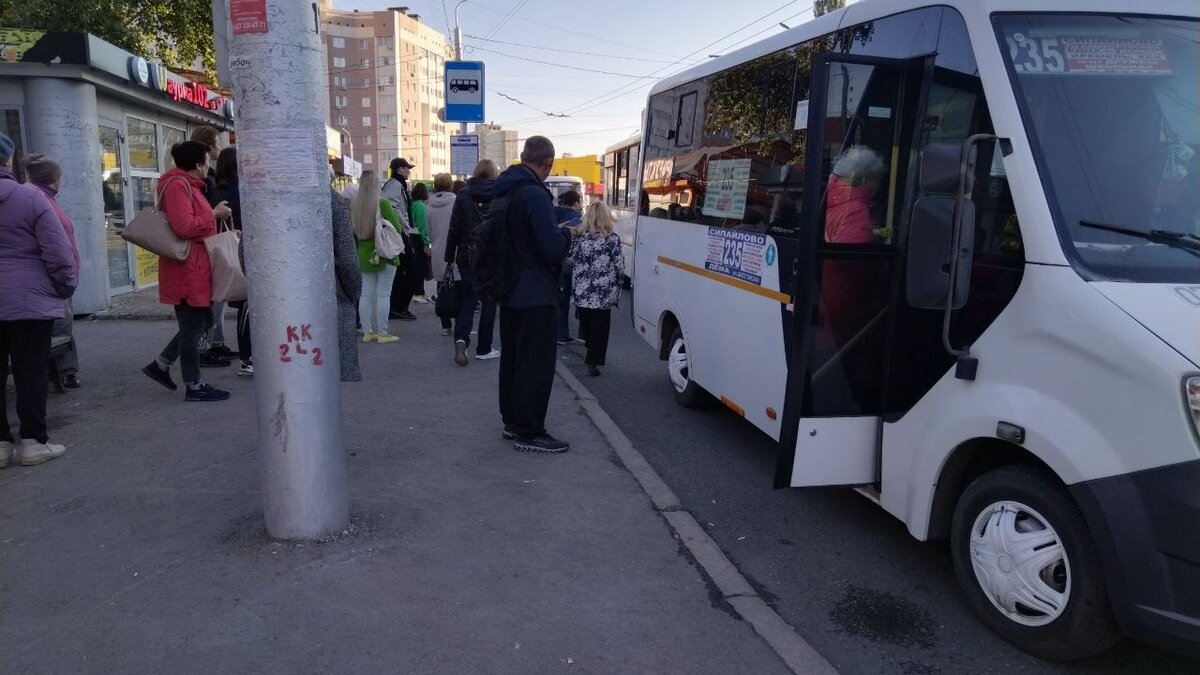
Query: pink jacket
[68, 225]
[847, 213]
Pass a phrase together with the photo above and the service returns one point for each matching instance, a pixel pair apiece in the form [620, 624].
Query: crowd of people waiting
[548, 256]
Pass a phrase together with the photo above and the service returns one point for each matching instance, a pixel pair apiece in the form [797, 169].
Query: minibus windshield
[1112, 107]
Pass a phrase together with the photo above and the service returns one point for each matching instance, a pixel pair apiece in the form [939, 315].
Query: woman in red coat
[187, 284]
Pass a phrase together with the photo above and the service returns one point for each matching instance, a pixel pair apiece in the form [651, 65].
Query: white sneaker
[494, 354]
[32, 453]
[6, 453]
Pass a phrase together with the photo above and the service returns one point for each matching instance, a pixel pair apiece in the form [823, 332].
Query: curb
[796, 653]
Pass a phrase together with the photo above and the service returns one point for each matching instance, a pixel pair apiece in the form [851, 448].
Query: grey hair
[538, 150]
[857, 164]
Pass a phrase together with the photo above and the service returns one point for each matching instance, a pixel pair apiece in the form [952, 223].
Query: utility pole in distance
[276, 71]
[462, 126]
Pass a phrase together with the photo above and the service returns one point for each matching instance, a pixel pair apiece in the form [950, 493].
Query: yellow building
[587, 167]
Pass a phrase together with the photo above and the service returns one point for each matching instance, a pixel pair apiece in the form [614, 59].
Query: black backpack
[490, 253]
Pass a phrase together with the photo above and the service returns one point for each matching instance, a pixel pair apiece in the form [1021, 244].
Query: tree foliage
[826, 6]
[174, 32]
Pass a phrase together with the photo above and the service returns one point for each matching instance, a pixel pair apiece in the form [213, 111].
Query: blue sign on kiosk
[464, 91]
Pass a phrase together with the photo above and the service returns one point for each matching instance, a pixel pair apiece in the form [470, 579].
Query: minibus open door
[846, 269]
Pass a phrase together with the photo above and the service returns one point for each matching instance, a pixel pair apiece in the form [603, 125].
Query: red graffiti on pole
[296, 339]
[248, 16]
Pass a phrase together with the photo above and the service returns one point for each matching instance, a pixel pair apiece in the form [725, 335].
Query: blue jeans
[193, 322]
[375, 298]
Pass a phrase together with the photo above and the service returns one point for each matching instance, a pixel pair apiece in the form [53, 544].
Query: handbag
[228, 279]
[388, 242]
[447, 295]
[150, 230]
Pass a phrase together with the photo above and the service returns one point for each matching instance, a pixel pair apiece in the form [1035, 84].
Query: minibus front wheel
[1024, 556]
[687, 393]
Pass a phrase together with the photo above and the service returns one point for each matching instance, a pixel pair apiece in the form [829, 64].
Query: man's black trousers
[527, 357]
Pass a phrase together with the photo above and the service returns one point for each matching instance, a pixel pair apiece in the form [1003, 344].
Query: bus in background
[560, 184]
[622, 189]
[948, 255]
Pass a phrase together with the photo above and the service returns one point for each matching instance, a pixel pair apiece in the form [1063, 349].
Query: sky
[635, 43]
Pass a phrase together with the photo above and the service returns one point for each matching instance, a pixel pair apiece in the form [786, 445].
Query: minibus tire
[691, 395]
[1085, 626]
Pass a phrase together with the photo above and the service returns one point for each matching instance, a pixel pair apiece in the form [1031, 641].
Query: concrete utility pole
[462, 126]
[276, 67]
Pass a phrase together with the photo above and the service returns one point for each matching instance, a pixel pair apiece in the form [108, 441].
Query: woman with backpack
[470, 206]
[367, 212]
[597, 267]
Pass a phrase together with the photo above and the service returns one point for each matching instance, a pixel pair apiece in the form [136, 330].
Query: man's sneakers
[32, 453]
[447, 332]
[544, 443]
[509, 433]
[493, 354]
[205, 392]
[386, 338]
[369, 337]
[562, 342]
[460, 352]
[247, 369]
[160, 375]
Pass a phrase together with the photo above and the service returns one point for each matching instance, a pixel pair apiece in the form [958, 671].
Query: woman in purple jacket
[38, 272]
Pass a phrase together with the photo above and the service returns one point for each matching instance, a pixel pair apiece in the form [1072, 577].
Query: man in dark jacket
[471, 204]
[529, 310]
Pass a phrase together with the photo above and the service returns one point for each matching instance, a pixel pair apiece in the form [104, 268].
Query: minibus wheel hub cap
[1020, 563]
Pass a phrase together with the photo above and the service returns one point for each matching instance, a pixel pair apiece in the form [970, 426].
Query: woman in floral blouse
[598, 267]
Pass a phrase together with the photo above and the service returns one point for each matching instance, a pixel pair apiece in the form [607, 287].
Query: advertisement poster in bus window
[728, 184]
[736, 254]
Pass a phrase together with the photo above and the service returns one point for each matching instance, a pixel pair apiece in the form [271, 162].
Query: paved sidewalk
[143, 551]
[143, 305]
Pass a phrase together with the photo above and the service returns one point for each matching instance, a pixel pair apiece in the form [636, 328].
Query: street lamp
[349, 139]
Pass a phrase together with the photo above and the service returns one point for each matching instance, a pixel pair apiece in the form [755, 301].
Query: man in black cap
[411, 280]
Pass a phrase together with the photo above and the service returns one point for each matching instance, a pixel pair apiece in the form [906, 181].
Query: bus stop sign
[464, 91]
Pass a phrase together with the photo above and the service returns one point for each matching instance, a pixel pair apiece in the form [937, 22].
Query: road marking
[796, 653]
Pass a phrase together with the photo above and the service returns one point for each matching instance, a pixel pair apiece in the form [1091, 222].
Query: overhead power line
[519, 102]
[591, 36]
[630, 88]
[567, 51]
[562, 65]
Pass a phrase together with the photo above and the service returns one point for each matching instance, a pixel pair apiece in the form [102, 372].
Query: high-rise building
[385, 87]
[498, 145]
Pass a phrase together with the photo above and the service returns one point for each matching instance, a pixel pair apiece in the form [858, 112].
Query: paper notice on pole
[280, 158]
[248, 16]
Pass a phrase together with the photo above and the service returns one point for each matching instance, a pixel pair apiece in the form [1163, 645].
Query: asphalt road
[839, 569]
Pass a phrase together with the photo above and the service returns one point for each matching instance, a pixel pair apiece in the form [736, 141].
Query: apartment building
[498, 145]
[385, 87]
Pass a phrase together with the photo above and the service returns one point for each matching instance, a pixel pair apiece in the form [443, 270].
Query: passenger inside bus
[853, 185]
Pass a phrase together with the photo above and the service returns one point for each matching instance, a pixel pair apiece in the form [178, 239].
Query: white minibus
[622, 191]
[948, 255]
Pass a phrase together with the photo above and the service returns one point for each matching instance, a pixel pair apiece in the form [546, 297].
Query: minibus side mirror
[932, 228]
